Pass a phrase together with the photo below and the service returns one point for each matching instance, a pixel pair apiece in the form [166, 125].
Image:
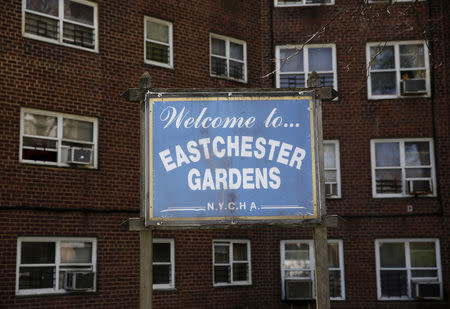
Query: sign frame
[243, 94]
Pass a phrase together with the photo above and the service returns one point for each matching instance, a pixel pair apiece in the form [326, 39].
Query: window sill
[232, 285]
[159, 64]
[58, 293]
[230, 79]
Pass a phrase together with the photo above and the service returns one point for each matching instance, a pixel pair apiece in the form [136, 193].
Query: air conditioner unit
[80, 155]
[414, 86]
[419, 186]
[78, 280]
[298, 289]
[424, 288]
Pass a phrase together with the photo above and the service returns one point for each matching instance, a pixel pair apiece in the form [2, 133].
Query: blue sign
[231, 158]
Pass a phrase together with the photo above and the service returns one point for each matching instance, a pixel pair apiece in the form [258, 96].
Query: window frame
[305, 49]
[230, 243]
[171, 285]
[402, 166]
[227, 57]
[337, 168]
[57, 264]
[397, 69]
[300, 3]
[407, 267]
[312, 264]
[61, 19]
[169, 45]
[59, 137]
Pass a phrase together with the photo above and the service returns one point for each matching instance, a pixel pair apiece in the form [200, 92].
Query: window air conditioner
[414, 86]
[298, 289]
[419, 186]
[78, 280]
[425, 288]
[80, 155]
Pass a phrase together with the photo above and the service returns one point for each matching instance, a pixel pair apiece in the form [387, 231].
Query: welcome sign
[220, 158]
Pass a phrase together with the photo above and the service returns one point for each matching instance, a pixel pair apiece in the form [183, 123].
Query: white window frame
[171, 285]
[306, 61]
[402, 166]
[397, 69]
[61, 20]
[407, 267]
[300, 3]
[337, 168]
[227, 56]
[169, 45]
[230, 243]
[59, 137]
[57, 264]
[390, 1]
[312, 264]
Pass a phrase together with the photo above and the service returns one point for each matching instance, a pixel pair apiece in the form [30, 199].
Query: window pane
[218, 66]
[320, 59]
[240, 272]
[76, 252]
[161, 252]
[236, 70]
[333, 255]
[297, 256]
[417, 153]
[424, 273]
[78, 130]
[42, 26]
[392, 255]
[221, 254]
[335, 283]
[387, 154]
[39, 125]
[383, 83]
[157, 52]
[222, 274]
[78, 35]
[418, 172]
[382, 57]
[236, 51]
[36, 277]
[291, 60]
[37, 253]
[389, 181]
[240, 252]
[416, 74]
[79, 12]
[292, 80]
[49, 7]
[157, 32]
[218, 47]
[412, 56]
[297, 274]
[330, 176]
[423, 254]
[161, 274]
[329, 155]
[393, 283]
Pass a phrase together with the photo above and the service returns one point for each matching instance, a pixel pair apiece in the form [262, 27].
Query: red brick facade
[40, 200]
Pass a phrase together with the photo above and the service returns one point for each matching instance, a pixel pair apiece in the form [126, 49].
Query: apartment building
[70, 156]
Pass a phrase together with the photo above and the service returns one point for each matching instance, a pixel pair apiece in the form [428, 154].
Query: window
[163, 264]
[294, 65]
[58, 139]
[332, 169]
[67, 22]
[158, 46]
[55, 265]
[302, 2]
[231, 262]
[228, 58]
[297, 265]
[408, 268]
[398, 69]
[403, 167]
